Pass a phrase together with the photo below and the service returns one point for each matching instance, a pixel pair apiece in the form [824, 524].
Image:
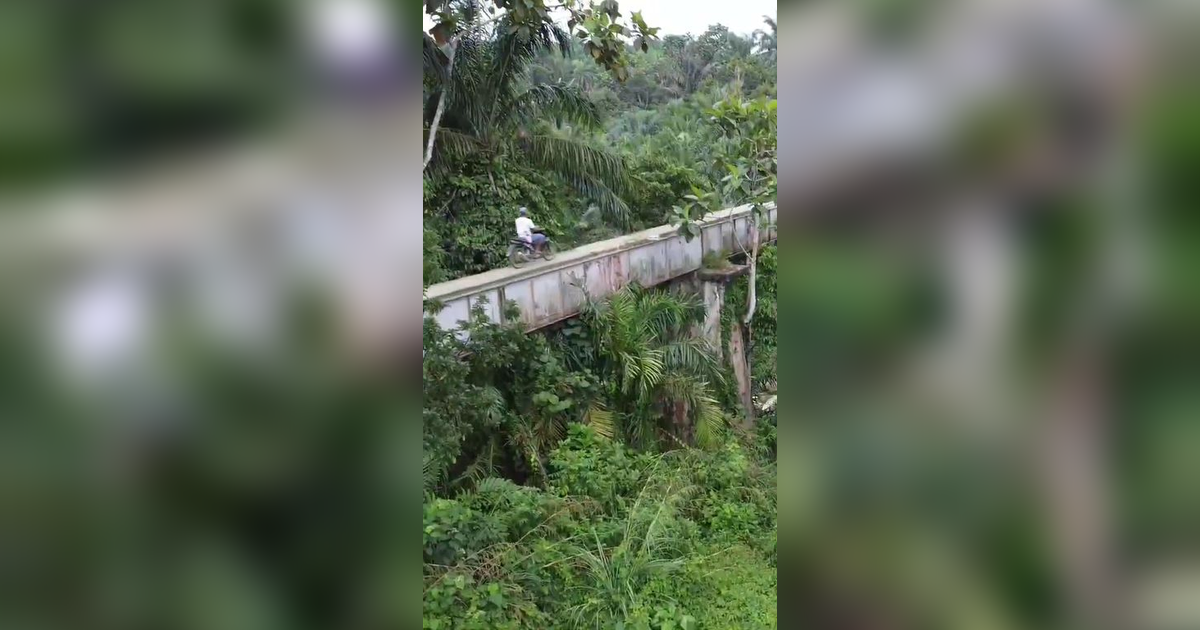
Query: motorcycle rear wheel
[517, 256]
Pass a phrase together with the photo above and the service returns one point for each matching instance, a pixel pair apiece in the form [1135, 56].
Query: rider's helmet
[522, 211]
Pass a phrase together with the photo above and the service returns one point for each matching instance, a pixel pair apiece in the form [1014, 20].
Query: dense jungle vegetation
[274, 494]
[592, 157]
[601, 474]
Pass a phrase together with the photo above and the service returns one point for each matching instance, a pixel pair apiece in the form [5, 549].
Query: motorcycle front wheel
[548, 250]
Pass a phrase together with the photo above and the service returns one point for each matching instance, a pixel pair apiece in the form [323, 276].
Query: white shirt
[525, 228]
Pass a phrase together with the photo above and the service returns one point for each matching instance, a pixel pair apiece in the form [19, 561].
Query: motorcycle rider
[525, 230]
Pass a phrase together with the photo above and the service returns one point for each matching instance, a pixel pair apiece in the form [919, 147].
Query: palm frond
[652, 369]
[451, 146]
[592, 171]
[639, 427]
[511, 55]
[433, 474]
[552, 430]
[496, 486]
[693, 356]
[629, 372]
[433, 61]
[610, 205]
[470, 104]
[708, 420]
[491, 400]
[559, 102]
[526, 440]
[601, 421]
[483, 466]
[666, 315]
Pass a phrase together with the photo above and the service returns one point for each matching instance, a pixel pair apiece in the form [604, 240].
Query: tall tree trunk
[752, 296]
[441, 108]
[741, 372]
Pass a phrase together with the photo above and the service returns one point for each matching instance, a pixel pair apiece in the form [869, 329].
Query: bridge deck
[551, 291]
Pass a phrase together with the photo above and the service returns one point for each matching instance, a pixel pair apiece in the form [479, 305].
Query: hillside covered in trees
[601, 474]
[591, 156]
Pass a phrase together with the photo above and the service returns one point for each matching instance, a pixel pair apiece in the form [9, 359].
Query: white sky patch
[680, 17]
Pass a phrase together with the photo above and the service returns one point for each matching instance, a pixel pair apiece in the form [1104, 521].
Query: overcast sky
[678, 17]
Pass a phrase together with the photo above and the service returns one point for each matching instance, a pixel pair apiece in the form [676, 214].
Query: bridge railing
[547, 292]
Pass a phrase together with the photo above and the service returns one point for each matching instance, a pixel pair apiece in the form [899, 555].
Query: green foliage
[634, 370]
[618, 540]
[659, 375]
[488, 110]
[591, 156]
[458, 602]
[716, 260]
[598, 25]
[767, 42]
[729, 591]
[563, 489]
[849, 307]
[454, 531]
[762, 339]
[750, 156]
[612, 532]
[746, 159]
[468, 216]
[588, 465]
[503, 406]
[695, 206]
[660, 184]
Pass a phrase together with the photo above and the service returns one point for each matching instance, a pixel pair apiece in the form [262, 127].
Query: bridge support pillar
[713, 283]
[714, 298]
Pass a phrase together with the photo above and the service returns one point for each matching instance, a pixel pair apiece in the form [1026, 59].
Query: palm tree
[491, 110]
[767, 43]
[660, 374]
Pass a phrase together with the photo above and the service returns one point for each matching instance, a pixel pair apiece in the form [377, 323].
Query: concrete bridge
[547, 292]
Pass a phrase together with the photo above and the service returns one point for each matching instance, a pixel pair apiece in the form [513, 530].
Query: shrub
[590, 466]
[452, 531]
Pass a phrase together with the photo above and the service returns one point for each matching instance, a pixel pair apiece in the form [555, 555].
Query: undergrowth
[680, 540]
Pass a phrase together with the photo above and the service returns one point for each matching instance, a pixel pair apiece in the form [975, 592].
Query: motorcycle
[520, 252]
